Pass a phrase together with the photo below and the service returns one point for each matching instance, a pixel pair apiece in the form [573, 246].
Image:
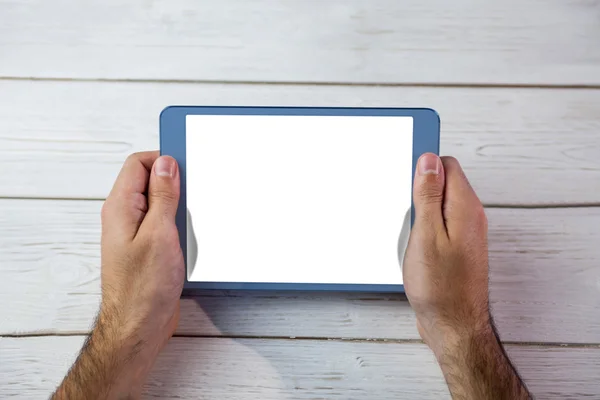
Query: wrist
[127, 357]
[475, 365]
[113, 364]
[447, 336]
[456, 342]
[128, 338]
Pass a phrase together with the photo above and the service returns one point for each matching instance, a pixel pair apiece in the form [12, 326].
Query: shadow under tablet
[192, 244]
[404, 236]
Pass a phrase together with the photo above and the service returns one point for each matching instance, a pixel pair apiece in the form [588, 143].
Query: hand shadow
[208, 367]
[191, 243]
[198, 360]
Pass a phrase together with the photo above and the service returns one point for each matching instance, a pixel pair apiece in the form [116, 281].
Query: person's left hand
[142, 262]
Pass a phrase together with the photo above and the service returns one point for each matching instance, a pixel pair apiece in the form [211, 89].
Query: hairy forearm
[111, 365]
[475, 366]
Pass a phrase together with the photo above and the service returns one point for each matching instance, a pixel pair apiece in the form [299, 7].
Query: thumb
[163, 190]
[428, 191]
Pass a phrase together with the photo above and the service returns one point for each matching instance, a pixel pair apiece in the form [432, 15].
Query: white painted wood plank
[545, 282]
[381, 41]
[518, 146]
[295, 369]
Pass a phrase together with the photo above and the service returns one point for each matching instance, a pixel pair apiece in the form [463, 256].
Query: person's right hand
[141, 281]
[446, 263]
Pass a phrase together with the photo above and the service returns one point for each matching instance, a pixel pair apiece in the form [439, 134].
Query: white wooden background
[517, 84]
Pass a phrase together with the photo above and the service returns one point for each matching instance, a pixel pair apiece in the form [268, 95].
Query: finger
[163, 191]
[428, 193]
[137, 165]
[462, 208]
[126, 204]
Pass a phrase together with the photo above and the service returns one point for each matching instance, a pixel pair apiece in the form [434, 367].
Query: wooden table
[517, 84]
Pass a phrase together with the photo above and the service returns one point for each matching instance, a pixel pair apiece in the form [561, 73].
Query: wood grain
[533, 42]
[518, 146]
[67, 138]
[544, 282]
[209, 368]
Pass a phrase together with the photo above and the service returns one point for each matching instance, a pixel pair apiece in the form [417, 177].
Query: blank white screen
[297, 199]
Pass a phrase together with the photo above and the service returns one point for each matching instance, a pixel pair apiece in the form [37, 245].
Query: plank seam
[319, 339]
[487, 205]
[312, 83]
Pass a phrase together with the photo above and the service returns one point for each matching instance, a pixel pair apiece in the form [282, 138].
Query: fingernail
[429, 164]
[164, 166]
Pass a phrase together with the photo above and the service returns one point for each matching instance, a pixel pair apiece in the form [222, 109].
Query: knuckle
[431, 194]
[105, 210]
[452, 167]
[139, 203]
[131, 158]
[480, 215]
[164, 196]
[450, 161]
[134, 156]
[476, 209]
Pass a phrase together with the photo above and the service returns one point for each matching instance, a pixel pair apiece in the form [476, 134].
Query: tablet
[296, 198]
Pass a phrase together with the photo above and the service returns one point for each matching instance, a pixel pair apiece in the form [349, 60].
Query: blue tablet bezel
[426, 138]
